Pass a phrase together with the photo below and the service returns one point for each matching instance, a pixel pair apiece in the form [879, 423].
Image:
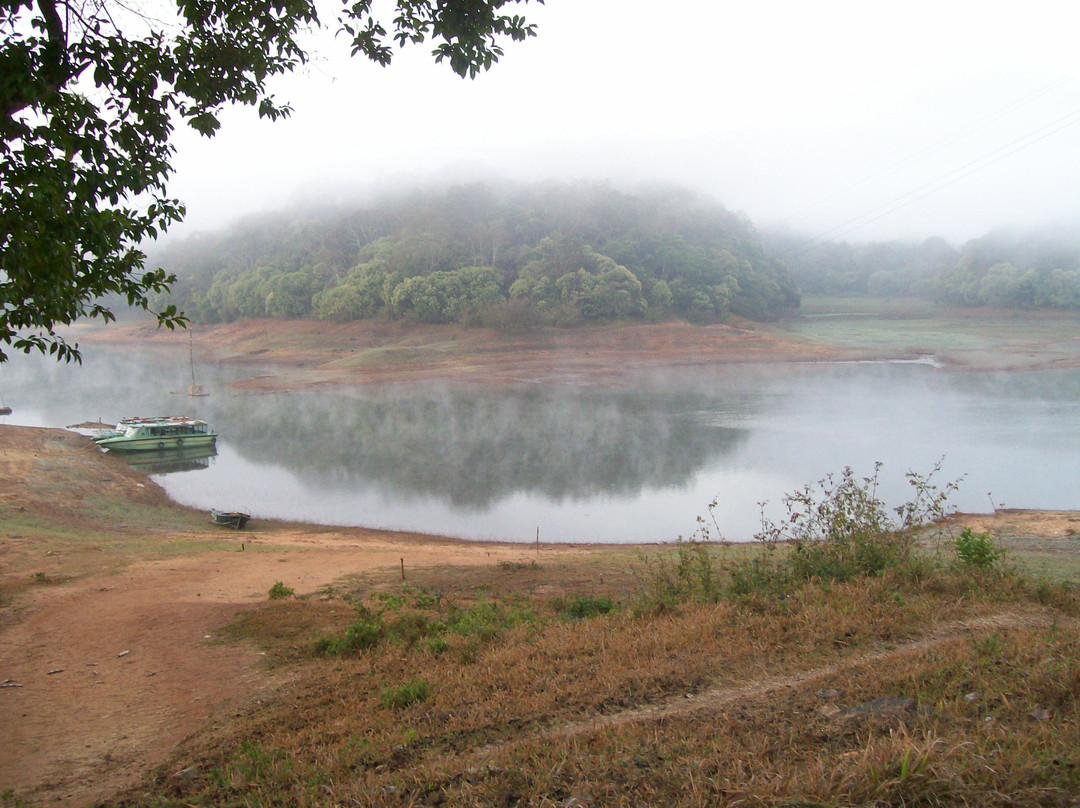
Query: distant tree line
[1040, 270]
[504, 257]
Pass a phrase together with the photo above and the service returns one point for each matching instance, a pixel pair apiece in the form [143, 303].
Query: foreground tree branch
[85, 155]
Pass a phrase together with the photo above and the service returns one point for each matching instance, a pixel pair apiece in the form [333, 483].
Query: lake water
[636, 461]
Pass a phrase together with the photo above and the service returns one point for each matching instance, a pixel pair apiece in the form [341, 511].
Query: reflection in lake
[635, 462]
[475, 446]
[171, 461]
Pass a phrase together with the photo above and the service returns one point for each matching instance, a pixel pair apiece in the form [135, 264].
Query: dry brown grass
[738, 701]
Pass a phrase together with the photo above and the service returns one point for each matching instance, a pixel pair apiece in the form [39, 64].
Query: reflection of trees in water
[472, 445]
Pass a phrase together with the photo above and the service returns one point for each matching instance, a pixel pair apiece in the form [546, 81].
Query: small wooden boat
[233, 519]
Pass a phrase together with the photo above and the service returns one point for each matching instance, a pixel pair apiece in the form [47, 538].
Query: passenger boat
[162, 432]
[233, 519]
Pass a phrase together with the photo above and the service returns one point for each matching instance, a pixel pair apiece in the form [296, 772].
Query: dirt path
[726, 695]
[114, 670]
[105, 673]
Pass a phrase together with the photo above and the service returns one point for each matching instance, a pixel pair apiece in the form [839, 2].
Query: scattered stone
[56, 670]
[971, 696]
[9, 683]
[829, 710]
[123, 653]
[1040, 714]
[188, 774]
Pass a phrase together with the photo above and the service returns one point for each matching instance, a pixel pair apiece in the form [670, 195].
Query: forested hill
[503, 257]
[1039, 269]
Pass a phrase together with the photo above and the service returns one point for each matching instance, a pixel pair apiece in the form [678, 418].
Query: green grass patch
[396, 697]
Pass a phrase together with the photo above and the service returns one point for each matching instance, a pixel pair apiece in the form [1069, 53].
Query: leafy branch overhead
[90, 94]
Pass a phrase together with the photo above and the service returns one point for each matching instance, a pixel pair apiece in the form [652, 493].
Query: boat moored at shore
[160, 432]
[234, 519]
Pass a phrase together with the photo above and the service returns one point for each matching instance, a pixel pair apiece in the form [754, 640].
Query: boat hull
[233, 519]
[156, 434]
[152, 443]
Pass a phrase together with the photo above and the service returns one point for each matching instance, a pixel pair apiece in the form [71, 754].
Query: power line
[951, 177]
[841, 195]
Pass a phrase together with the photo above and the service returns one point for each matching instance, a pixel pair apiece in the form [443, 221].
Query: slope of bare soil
[306, 353]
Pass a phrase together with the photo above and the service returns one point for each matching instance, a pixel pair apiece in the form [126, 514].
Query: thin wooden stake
[403, 569]
[538, 539]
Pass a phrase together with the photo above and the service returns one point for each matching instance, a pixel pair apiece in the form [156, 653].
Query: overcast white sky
[841, 119]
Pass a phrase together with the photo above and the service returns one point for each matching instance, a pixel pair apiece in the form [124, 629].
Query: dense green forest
[480, 255]
[558, 254]
[1002, 269]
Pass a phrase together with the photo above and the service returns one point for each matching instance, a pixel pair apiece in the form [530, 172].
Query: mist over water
[635, 461]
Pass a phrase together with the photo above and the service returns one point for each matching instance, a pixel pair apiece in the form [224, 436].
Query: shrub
[584, 606]
[836, 530]
[366, 632]
[693, 575]
[841, 529]
[279, 590]
[977, 549]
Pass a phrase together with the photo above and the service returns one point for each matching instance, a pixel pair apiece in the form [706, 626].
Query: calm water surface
[634, 462]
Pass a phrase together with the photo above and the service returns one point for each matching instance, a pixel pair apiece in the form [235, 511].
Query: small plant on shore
[584, 606]
[410, 692]
[977, 549]
[693, 575]
[9, 799]
[413, 618]
[367, 631]
[279, 591]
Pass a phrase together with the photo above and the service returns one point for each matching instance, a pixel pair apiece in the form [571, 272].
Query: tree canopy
[90, 94]
[500, 256]
[1003, 269]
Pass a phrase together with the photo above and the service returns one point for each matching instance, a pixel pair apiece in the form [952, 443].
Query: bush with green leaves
[585, 606]
[279, 590]
[842, 529]
[693, 575]
[834, 531]
[977, 549]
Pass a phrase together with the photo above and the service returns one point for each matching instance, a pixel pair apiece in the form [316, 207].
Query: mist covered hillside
[1037, 269]
[542, 254]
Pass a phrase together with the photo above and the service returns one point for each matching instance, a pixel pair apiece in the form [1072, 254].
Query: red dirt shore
[304, 353]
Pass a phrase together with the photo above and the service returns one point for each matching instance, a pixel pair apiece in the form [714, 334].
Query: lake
[637, 461]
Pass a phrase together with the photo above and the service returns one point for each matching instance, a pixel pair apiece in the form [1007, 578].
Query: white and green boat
[162, 432]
